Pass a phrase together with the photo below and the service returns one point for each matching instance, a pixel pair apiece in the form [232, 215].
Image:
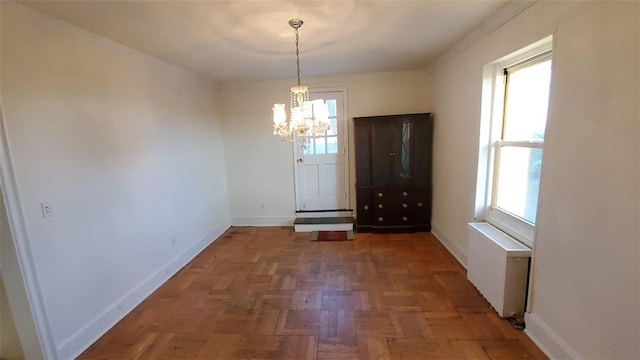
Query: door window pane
[320, 146]
[307, 148]
[331, 104]
[332, 145]
[333, 128]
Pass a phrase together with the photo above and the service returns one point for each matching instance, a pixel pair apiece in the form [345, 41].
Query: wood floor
[269, 293]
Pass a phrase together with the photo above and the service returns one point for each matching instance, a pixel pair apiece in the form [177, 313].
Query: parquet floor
[269, 293]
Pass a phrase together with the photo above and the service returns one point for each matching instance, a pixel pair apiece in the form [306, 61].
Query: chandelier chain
[297, 55]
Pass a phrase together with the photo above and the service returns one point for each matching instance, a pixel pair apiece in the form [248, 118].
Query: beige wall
[585, 281]
[260, 166]
[10, 347]
[127, 150]
[9, 344]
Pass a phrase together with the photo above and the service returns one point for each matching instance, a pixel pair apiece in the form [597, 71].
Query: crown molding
[498, 19]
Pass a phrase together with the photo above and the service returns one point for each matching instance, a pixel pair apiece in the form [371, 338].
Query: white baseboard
[449, 244]
[547, 340]
[264, 221]
[87, 335]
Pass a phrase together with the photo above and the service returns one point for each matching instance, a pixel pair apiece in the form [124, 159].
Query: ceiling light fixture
[306, 118]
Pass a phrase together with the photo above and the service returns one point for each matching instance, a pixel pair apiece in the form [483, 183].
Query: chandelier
[306, 118]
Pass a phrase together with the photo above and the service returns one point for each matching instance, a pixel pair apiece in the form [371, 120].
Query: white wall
[127, 149]
[260, 166]
[585, 291]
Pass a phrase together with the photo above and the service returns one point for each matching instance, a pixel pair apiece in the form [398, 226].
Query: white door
[321, 163]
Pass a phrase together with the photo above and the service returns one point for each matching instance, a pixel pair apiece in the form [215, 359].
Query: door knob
[300, 160]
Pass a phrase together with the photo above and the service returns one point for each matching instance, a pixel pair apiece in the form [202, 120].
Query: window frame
[491, 139]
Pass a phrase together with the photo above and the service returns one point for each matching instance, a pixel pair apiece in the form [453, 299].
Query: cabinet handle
[404, 193]
[380, 194]
[405, 206]
[419, 204]
[404, 218]
[380, 219]
[366, 207]
[392, 154]
[380, 206]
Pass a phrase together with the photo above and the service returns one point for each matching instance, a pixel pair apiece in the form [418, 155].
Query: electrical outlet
[47, 210]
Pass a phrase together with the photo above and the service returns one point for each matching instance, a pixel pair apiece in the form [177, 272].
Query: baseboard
[87, 335]
[264, 221]
[450, 245]
[547, 340]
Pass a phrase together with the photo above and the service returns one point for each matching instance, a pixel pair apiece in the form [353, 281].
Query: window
[517, 97]
[326, 143]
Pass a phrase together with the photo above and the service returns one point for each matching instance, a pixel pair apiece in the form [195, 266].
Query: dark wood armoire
[393, 172]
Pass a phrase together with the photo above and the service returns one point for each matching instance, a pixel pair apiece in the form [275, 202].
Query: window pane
[332, 145]
[527, 102]
[320, 145]
[518, 181]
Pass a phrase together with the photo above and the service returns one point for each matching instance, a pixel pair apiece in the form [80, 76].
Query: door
[321, 162]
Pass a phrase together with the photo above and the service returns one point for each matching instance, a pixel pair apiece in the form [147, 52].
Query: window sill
[512, 225]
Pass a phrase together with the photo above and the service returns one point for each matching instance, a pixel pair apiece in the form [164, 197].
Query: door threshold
[324, 213]
[323, 224]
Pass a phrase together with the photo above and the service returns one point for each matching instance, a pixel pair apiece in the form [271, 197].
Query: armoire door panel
[363, 154]
[383, 153]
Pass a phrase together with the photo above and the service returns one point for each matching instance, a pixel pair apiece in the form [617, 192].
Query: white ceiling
[251, 40]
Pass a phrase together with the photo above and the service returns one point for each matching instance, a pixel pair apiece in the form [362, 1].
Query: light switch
[47, 210]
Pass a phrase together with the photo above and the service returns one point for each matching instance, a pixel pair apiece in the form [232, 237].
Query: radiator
[498, 266]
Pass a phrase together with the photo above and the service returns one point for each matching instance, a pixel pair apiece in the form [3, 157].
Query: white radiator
[498, 266]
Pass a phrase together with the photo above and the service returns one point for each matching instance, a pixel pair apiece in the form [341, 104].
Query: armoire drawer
[393, 219]
[364, 212]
